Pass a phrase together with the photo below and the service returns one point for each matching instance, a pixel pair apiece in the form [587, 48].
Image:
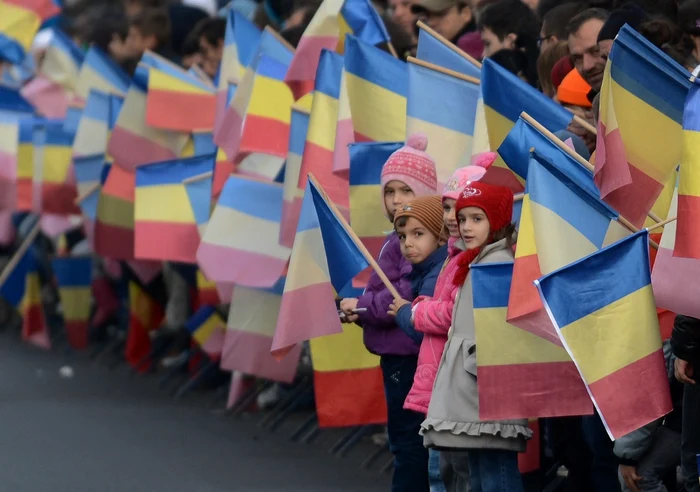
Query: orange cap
[574, 90]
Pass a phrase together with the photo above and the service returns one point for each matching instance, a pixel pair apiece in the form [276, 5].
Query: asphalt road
[107, 431]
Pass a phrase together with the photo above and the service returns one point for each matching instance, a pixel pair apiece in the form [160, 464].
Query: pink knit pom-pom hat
[413, 166]
[474, 172]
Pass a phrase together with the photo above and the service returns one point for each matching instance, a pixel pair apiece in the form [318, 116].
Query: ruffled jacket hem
[475, 435]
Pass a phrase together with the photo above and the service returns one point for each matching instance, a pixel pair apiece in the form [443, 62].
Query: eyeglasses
[543, 39]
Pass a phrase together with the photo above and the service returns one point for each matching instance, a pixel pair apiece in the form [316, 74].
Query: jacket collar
[437, 257]
[497, 246]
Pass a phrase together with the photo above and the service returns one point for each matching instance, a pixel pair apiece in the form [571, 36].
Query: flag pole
[661, 224]
[87, 193]
[355, 239]
[19, 254]
[279, 37]
[198, 177]
[450, 45]
[444, 70]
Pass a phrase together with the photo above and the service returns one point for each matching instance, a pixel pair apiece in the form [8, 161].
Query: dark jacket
[685, 339]
[423, 278]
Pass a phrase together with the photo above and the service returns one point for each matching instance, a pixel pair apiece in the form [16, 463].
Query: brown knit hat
[428, 211]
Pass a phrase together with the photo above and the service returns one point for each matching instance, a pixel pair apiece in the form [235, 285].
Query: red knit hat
[495, 201]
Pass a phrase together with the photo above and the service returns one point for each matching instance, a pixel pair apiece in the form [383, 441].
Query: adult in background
[401, 14]
[210, 34]
[554, 24]
[450, 18]
[689, 21]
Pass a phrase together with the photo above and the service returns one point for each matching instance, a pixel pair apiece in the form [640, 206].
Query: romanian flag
[54, 186]
[528, 376]
[687, 231]
[18, 25]
[505, 97]
[240, 43]
[332, 22]
[612, 332]
[13, 290]
[199, 193]
[34, 327]
[88, 174]
[447, 55]
[344, 133]
[208, 293]
[641, 104]
[561, 222]
[320, 137]
[99, 72]
[11, 100]
[145, 316]
[93, 129]
[208, 330]
[366, 193]
[25, 163]
[324, 260]
[377, 88]
[9, 148]
[348, 382]
[50, 99]
[432, 99]
[227, 253]
[74, 278]
[676, 280]
[114, 228]
[177, 100]
[268, 115]
[134, 143]
[291, 194]
[251, 325]
[165, 226]
[62, 61]
[203, 143]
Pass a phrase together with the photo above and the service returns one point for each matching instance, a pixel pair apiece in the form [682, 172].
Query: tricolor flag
[687, 230]
[332, 22]
[62, 61]
[612, 332]
[9, 148]
[366, 193]
[11, 100]
[99, 72]
[134, 143]
[25, 163]
[165, 226]
[344, 132]
[208, 329]
[207, 291]
[528, 376]
[34, 327]
[505, 97]
[641, 103]
[432, 99]
[12, 291]
[53, 179]
[324, 260]
[114, 227]
[377, 88]
[93, 129]
[145, 316]
[240, 42]
[203, 143]
[447, 55]
[50, 99]
[291, 194]
[251, 325]
[74, 278]
[561, 222]
[177, 100]
[88, 175]
[229, 254]
[18, 25]
[198, 191]
[348, 382]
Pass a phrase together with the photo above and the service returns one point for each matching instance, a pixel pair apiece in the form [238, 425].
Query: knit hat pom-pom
[418, 141]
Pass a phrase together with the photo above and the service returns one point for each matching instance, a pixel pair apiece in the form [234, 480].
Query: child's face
[449, 215]
[396, 194]
[417, 242]
[136, 44]
[474, 227]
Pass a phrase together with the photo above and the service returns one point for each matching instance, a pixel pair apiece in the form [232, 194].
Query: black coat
[685, 339]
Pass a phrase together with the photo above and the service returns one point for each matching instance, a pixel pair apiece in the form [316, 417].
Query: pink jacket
[433, 317]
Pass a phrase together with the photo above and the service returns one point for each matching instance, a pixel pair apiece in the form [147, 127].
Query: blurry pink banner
[49, 98]
[53, 225]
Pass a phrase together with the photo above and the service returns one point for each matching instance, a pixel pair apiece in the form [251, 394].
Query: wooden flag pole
[198, 177]
[444, 70]
[586, 125]
[518, 197]
[281, 39]
[94, 188]
[450, 45]
[355, 239]
[392, 50]
[557, 141]
[661, 224]
[19, 254]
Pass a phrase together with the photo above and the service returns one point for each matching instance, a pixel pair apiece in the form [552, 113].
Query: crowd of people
[426, 339]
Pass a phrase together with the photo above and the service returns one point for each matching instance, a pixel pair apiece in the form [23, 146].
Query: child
[432, 317]
[408, 173]
[420, 228]
[483, 454]
[149, 30]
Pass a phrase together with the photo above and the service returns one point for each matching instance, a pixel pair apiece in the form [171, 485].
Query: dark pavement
[110, 431]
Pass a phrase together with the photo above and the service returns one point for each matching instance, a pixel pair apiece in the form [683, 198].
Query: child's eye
[419, 234]
[388, 192]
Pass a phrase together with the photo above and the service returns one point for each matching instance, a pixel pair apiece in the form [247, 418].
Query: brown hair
[548, 58]
[508, 233]
[153, 22]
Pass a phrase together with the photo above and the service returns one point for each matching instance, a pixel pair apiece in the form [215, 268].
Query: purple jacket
[381, 334]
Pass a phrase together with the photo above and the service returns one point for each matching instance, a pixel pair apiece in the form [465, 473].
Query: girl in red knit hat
[474, 454]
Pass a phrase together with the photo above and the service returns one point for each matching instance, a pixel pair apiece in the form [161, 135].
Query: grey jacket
[453, 415]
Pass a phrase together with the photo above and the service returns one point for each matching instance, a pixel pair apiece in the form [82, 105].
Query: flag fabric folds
[165, 226]
[241, 243]
[9, 148]
[25, 163]
[74, 278]
[34, 327]
[641, 103]
[62, 61]
[54, 187]
[505, 97]
[687, 230]
[114, 227]
[324, 260]
[145, 316]
[527, 377]
[208, 329]
[92, 133]
[612, 332]
[99, 72]
[433, 50]
[18, 25]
